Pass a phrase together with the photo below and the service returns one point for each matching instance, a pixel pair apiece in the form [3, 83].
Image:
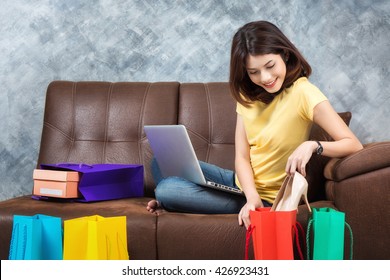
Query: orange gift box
[56, 183]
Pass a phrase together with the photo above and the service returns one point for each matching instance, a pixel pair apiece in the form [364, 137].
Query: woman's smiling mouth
[271, 84]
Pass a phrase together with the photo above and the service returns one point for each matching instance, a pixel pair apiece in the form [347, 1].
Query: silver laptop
[175, 155]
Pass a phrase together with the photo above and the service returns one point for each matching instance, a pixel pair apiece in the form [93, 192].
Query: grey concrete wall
[346, 42]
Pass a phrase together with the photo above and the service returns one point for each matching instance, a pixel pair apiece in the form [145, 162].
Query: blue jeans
[180, 195]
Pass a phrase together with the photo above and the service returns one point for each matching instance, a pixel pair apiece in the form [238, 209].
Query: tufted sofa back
[102, 122]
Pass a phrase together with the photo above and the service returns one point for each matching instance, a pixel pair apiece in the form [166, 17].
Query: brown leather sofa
[102, 122]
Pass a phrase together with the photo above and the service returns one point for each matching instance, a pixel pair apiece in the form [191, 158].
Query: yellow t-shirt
[275, 130]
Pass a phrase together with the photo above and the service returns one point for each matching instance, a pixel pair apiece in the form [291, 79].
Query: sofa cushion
[182, 236]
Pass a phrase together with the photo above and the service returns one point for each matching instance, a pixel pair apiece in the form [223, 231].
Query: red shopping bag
[273, 234]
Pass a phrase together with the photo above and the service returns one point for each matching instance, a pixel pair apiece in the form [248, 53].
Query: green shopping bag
[327, 235]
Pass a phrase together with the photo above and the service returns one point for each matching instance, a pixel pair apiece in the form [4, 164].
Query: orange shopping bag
[273, 234]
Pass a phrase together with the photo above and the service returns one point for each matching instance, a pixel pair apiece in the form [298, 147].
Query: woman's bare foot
[154, 207]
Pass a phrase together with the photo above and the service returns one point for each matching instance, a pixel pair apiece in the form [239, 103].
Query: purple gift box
[100, 182]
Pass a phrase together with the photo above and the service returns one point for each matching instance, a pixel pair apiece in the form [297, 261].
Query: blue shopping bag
[37, 237]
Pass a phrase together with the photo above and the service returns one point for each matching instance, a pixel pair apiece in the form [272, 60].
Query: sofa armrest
[359, 186]
[373, 156]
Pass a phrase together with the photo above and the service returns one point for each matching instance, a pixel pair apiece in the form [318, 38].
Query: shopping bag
[56, 183]
[325, 233]
[105, 181]
[95, 238]
[37, 237]
[273, 234]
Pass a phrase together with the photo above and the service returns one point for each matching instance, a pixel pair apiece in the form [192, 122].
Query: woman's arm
[345, 142]
[245, 174]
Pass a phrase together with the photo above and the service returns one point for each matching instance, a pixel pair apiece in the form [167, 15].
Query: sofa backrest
[208, 112]
[102, 122]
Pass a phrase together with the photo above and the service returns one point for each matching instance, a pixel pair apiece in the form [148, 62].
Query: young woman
[276, 107]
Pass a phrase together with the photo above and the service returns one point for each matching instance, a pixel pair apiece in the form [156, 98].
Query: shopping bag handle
[308, 238]
[248, 235]
[298, 244]
[120, 247]
[80, 165]
[16, 240]
[351, 240]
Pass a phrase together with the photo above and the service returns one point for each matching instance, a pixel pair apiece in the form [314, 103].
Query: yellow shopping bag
[95, 238]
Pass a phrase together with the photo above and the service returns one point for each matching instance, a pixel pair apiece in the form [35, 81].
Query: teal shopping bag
[325, 231]
[37, 237]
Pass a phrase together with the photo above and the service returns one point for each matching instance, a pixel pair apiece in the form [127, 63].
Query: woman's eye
[269, 67]
[253, 72]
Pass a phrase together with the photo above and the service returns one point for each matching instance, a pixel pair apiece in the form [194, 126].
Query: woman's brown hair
[259, 38]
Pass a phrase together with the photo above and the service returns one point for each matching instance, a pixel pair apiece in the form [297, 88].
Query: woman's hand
[243, 216]
[300, 157]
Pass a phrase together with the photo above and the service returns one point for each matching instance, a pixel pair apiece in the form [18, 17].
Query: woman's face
[267, 71]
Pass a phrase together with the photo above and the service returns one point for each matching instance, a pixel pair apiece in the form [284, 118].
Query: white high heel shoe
[291, 193]
[287, 184]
